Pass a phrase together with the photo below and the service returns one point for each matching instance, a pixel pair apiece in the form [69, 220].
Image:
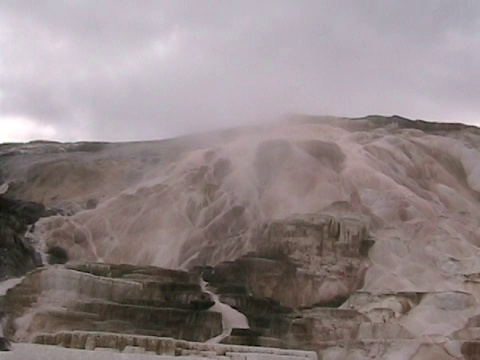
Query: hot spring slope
[310, 195]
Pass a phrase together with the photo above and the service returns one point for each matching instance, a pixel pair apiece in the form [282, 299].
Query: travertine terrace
[354, 238]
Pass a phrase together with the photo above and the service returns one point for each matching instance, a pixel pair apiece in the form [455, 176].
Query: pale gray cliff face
[307, 192]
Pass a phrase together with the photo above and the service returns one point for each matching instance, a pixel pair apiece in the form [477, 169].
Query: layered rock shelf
[150, 310]
[119, 298]
[162, 346]
[178, 349]
[124, 307]
[302, 260]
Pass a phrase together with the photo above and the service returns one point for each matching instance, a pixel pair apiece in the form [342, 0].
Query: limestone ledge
[159, 302]
[165, 346]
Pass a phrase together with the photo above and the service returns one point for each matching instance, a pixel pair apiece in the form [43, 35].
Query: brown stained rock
[57, 299]
[301, 261]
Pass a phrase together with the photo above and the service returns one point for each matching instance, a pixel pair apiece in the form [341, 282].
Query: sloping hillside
[366, 225]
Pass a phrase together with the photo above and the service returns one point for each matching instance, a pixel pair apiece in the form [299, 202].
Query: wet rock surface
[111, 298]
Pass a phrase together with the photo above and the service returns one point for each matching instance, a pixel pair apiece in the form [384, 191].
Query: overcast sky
[133, 70]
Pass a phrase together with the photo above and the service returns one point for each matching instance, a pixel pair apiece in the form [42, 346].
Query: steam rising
[194, 200]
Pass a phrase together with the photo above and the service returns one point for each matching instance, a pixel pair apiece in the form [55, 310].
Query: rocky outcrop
[17, 255]
[125, 307]
[118, 346]
[119, 298]
[122, 306]
[301, 261]
[404, 123]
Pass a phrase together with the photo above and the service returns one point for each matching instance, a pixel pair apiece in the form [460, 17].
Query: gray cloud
[121, 70]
